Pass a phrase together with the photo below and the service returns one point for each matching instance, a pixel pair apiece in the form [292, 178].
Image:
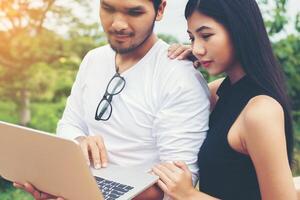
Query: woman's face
[211, 44]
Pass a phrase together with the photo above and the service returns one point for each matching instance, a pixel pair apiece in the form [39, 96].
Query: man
[130, 104]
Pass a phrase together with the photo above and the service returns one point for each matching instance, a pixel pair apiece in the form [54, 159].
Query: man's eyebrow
[136, 8]
[140, 8]
[105, 4]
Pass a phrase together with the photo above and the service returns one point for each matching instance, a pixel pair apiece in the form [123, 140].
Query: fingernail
[104, 164]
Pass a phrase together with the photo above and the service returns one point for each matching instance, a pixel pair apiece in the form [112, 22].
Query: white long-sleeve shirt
[161, 114]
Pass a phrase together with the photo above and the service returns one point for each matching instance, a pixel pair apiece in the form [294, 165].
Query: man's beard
[133, 46]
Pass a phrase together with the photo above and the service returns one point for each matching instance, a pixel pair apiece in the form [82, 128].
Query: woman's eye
[191, 39]
[206, 36]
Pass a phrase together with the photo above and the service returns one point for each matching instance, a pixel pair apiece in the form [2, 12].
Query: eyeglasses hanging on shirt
[114, 87]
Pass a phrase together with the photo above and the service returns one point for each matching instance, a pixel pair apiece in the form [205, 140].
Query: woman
[248, 150]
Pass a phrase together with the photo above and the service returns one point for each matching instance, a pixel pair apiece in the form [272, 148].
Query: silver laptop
[57, 166]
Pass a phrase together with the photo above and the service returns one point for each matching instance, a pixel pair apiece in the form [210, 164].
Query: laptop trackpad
[133, 176]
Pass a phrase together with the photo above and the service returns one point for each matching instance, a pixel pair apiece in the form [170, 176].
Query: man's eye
[191, 39]
[135, 13]
[108, 9]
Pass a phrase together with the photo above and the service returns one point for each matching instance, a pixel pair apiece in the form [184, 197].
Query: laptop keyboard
[112, 190]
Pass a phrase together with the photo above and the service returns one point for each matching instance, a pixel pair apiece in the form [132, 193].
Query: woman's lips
[206, 64]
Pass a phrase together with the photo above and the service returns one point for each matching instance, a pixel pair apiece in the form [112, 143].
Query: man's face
[127, 23]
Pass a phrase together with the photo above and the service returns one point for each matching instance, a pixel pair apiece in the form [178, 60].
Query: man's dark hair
[156, 4]
[244, 22]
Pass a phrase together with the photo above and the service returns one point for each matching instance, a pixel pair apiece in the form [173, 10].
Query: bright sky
[174, 22]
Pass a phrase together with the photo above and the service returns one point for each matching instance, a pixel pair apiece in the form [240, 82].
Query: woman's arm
[264, 137]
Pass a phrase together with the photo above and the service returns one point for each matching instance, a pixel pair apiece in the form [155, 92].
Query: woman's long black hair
[244, 22]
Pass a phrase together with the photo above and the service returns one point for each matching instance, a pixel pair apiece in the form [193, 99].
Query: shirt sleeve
[181, 122]
[72, 124]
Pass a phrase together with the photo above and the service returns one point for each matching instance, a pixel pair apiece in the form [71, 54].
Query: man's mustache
[121, 33]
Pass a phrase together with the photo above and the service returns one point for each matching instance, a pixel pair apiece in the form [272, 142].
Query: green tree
[170, 39]
[28, 48]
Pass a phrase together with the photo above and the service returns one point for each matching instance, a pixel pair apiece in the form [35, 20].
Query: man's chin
[122, 50]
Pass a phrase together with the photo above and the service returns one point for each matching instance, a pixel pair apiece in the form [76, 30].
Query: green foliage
[288, 53]
[297, 23]
[170, 39]
[7, 192]
[84, 37]
[4, 185]
[46, 115]
[30, 49]
[8, 112]
[13, 194]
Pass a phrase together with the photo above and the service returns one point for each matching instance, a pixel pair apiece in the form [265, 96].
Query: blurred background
[42, 43]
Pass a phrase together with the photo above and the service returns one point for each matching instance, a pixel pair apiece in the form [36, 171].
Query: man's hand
[94, 150]
[37, 195]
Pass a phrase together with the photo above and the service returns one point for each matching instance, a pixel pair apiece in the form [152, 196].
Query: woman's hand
[38, 195]
[179, 51]
[182, 52]
[175, 180]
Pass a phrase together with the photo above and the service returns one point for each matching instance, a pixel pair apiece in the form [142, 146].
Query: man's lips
[121, 37]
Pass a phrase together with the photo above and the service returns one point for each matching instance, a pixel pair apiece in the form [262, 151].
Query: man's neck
[126, 61]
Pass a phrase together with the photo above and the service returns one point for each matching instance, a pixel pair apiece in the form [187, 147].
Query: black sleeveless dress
[224, 172]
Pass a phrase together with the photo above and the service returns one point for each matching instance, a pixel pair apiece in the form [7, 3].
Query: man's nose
[119, 23]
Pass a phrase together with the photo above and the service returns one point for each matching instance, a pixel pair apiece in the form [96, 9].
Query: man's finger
[18, 185]
[33, 191]
[84, 148]
[29, 188]
[47, 196]
[103, 152]
[95, 153]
